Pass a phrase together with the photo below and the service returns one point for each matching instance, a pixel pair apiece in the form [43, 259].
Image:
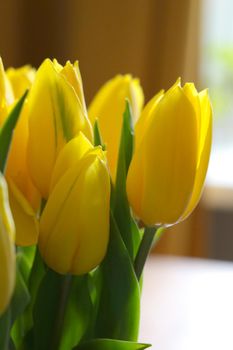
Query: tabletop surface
[187, 304]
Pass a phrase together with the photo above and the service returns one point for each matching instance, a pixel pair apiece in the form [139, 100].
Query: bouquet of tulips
[84, 194]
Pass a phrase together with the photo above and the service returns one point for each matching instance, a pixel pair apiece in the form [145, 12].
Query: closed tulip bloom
[169, 165]
[74, 227]
[109, 105]
[55, 115]
[7, 250]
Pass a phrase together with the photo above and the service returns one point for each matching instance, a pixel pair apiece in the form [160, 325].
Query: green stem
[151, 235]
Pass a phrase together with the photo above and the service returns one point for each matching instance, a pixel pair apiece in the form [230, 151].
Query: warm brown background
[156, 40]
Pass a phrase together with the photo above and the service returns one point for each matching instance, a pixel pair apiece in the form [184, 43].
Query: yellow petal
[17, 168]
[57, 65]
[25, 219]
[192, 94]
[7, 250]
[205, 141]
[73, 151]
[73, 76]
[55, 117]
[74, 226]
[109, 105]
[6, 92]
[145, 118]
[21, 79]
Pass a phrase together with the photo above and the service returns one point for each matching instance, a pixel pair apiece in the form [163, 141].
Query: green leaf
[6, 131]
[24, 260]
[37, 271]
[12, 345]
[62, 311]
[48, 312]
[21, 295]
[20, 300]
[78, 313]
[118, 314]
[5, 326]
[97, 135]
[121, 209]
[95, 283]
[111, 344]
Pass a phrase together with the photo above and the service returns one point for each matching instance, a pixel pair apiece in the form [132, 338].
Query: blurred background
[156, 40]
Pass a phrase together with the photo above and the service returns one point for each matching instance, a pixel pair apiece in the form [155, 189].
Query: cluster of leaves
[99, 310]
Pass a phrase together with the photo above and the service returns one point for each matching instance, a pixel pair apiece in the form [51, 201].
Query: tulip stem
[151, 236]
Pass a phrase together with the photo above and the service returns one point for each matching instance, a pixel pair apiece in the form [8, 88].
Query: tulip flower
[56, 115]
[24, 197]
[169, 165]
[74, 226]
[109, 105]
[7, 251]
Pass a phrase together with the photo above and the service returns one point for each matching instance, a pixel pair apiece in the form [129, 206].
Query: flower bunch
[84, 194]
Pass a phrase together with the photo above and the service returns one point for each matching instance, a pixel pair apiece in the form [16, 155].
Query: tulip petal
[73, 76]
[17, 170]
[24, 216]
[71, 154]
[6, 92]
[203, 152]
[74, 226]
[193, 96]
[55, 116]
[21, 79]
[145, 118]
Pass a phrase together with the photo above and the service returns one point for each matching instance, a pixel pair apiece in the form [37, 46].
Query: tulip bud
[74, 226]
[20, 79]
[109, 105]
[168, 168]
[7, 251]
[55, 116]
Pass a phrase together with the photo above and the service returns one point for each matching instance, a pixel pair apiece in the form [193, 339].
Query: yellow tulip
[55, 115]
[74, 226]
[21, 79]
[169, 165]
[24, 197]
[7, 250]
[109, 105]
